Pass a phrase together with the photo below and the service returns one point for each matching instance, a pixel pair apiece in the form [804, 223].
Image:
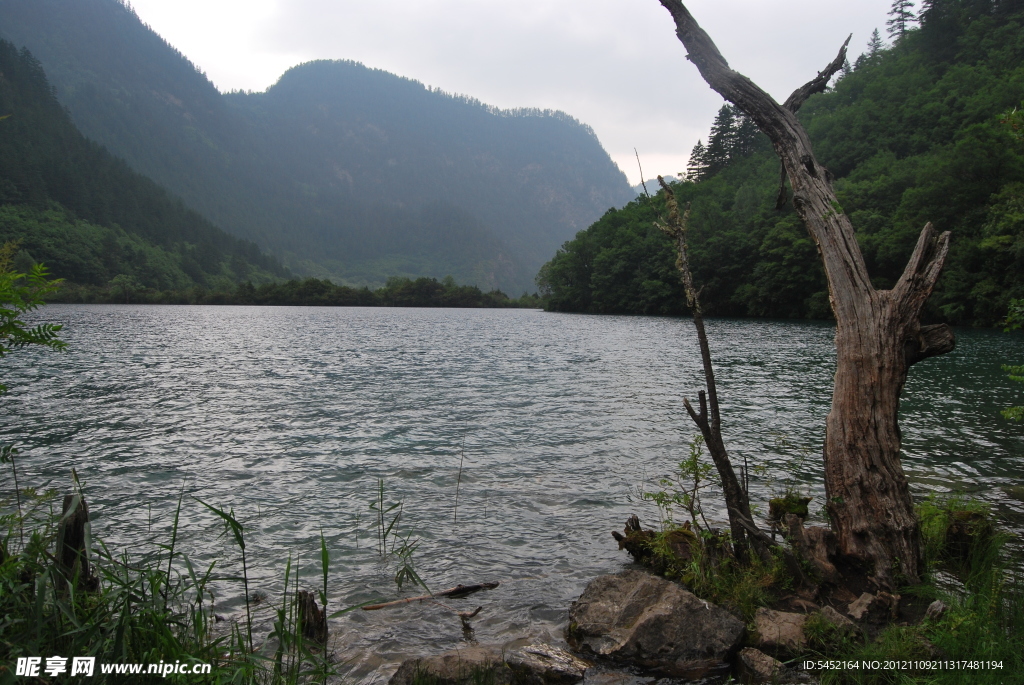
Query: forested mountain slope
[342, 170]
[913, 134]
[86, 215]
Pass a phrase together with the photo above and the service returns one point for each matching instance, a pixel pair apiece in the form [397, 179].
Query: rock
[545, 665]
[880, 608]
[779, 631]
[935, 610]
[483, 663]
[837, 620]
[859, 606]
[754, 666]
[533, 665]
[640, 619]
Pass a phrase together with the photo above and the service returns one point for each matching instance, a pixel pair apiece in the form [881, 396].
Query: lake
[545, 426]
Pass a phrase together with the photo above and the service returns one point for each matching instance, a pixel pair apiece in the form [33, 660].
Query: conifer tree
[696, 166]
[721, 141]
[845, 70]
[875, 45]
[745, 136]
[901, 16]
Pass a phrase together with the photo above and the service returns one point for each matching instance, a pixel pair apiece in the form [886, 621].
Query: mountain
[913, 133]
[341, 170]
[86, 214]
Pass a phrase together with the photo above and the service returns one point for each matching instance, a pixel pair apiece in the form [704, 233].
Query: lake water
[289, 416]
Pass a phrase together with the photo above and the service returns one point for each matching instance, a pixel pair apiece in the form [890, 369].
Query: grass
[721, 579]
[148, 606]
[984, 621]
[969, 569]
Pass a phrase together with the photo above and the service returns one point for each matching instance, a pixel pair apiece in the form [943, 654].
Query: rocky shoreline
[637, 624]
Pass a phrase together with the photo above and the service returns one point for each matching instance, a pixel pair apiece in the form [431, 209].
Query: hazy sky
[614, 64]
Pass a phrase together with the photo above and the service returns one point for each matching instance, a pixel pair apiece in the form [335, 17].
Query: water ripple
[290, 415]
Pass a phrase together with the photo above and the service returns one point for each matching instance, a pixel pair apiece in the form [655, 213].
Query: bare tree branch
[799, 97]
[819, 82]
[878, 332]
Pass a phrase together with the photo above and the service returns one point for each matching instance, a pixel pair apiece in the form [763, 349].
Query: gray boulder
[545, 665]
[492, 664]
[838, 622]
[780, 632]
[456, 667]
[641, 619]
[754, 666]
[935, 610]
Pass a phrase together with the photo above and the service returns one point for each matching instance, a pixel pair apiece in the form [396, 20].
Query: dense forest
[309, 292]
[340, 170]
[912, 131]
[86, 215]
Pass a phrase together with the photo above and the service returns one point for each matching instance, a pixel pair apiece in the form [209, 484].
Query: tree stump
[312, 619]
[72, 550]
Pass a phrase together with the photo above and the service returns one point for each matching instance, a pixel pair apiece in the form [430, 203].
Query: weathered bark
[710, 424]
[312, 619]
[72, 553]
[737, 503]
[457, 591]
[878, 332]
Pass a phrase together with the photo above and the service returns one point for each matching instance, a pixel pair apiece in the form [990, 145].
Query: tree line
[309, 292]
[912, 131]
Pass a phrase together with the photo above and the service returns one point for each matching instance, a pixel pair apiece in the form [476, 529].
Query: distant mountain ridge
[72, 205]
[341, 170]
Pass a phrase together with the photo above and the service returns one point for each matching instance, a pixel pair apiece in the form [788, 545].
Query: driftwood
[878, 332]
[457, 591]
[312, 619]
[72, 550]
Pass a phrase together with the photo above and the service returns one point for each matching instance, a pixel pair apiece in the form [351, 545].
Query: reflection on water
[290, 415]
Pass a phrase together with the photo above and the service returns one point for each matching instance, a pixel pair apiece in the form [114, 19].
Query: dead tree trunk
[709, 423]
[312, 619]
[741, 522]
[72, 553]
[878, 332]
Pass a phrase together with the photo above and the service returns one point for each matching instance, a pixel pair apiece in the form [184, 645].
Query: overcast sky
[614, 64]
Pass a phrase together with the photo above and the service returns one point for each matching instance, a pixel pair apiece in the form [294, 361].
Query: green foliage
[936, 514]
[701, 557]
[406, 569]
[733, 136]
[683, 489]
[382, 512]
[901, 16]
[740, 587]
[150, 605]
[984, 621]
[912, 135]
[311, 292]
[21, 293]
